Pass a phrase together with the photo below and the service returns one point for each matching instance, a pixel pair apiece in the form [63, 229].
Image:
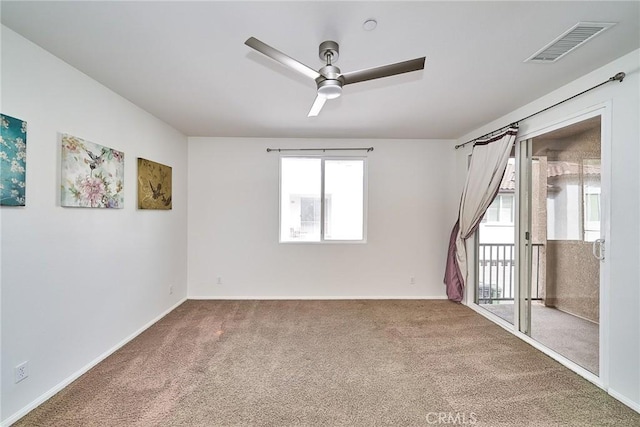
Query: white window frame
[365, 203]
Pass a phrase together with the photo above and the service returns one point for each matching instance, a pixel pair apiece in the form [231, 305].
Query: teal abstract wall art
[92, 174]
[13, 161]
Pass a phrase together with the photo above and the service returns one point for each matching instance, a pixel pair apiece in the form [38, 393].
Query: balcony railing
[496, 272]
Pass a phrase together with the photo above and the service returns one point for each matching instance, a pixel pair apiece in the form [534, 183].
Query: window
[322, 199]
[500, 211]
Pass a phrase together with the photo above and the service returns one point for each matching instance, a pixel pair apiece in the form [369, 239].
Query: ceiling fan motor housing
[331, 48]
[331, 81]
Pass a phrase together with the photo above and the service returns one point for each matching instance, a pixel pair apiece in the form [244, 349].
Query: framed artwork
[154, 185]
[92, 175]
[13, 161]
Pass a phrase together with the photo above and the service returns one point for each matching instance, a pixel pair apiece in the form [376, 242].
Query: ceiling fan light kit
[330, 89]
[329, 80]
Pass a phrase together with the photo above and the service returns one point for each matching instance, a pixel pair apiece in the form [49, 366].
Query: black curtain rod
[320, 149]
[618, 77]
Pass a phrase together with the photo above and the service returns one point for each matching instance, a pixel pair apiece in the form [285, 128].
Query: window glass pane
[593, 207]
[300, 199]
[563, 200]
[344, 199]
[492, 211]
[507, 210]
[591, 177]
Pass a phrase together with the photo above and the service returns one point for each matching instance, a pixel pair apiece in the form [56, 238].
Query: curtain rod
[618, 77]
[320, 149]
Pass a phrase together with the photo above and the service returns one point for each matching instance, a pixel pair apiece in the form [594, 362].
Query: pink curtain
[489, 159]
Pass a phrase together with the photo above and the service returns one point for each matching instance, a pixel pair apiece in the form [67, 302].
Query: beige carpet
[329, 363]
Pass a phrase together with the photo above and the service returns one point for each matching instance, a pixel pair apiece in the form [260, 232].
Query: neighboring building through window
[322, 199]
[498, 223]
[501, 210]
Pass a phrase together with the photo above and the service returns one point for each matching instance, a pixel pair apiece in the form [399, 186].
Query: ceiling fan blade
[384, 71]
[317, 106]
[280, 57]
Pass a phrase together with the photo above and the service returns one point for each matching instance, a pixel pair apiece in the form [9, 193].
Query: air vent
[569, 40]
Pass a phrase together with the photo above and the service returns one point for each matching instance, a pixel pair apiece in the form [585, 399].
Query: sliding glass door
[560, 243]
[540, 246]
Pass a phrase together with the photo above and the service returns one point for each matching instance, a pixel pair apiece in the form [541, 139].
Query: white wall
[77, 282]
[623, 250]
[233, 223]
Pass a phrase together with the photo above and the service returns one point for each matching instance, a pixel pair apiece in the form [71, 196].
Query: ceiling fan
[329, 79]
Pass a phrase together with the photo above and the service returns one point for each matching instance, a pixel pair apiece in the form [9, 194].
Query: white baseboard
[47, 395]
[321, 298]
[630, 403]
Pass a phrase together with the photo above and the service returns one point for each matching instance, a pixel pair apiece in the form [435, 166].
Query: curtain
[489, 159]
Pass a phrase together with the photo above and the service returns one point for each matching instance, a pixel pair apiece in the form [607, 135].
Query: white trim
[47, 395]
[319, 298]
[630, 403]
[605, 231]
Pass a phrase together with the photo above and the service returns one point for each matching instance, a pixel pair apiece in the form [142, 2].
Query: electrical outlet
[170, 289]
[412, 280]
[219, 280]
[21, 371]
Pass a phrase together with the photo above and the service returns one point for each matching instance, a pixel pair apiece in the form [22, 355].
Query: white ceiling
[186, 62]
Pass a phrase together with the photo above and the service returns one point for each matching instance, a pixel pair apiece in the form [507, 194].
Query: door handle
[598, 249]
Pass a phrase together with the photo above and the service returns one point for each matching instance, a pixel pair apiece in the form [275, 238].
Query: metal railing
[496, 272]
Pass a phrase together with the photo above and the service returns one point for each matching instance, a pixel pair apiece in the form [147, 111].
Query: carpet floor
[328, 363]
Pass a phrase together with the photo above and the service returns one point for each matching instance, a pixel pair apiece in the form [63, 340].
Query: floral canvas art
[92, 174]
[154, 185]
[13, 161]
